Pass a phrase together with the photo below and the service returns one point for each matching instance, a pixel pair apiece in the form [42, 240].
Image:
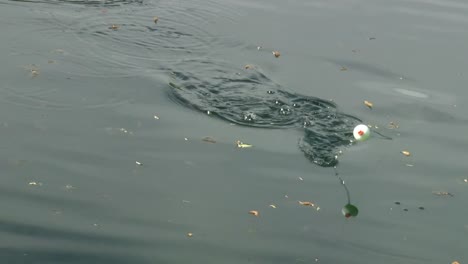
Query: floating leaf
[253, 212]
[406, 153]
[306, 203]
[368, 104]
[240, 144]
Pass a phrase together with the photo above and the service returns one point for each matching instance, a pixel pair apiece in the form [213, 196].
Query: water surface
[78, 107]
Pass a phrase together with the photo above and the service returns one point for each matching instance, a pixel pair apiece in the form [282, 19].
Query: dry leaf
[306, 203]
[276, 53]
[114, 27]
[253, 212]
[393, 125]
[442, 194]
[406, 153]
[368, 104]
[155, 19]
[240, 144]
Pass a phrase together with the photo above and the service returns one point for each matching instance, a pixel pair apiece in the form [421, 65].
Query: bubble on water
[307, 122]
[250, 117]
[285, 110]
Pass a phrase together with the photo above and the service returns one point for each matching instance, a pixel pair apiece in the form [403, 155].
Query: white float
[361, 132]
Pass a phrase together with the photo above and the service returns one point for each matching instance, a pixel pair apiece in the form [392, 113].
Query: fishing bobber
[350, 210]
[361, 132]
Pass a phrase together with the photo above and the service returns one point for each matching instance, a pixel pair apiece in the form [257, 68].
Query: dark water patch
[97, 3]
[248, 97]
[54, 233]
[369, 69]
[46, 199]
[22, 255]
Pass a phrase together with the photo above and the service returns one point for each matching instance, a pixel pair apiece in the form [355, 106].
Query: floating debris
[372, 38]
[409, 165]
[209, 139]
[455, 262]
[138, 163]
[273, 206]
[58, 51]
[190, 234]
[306, 203]
[276, 53]
[406, 153]
[393, 125]
[186, 139]
[240, 144]
[33, 70]
[421, 208]
[114, 27]
[368, 104]
[155, 19]
[253, 212]
[33, 183]
[259, 47]
[156, 117]
[406, 210]
[397, 203]
[248, 66]
[343, 68]
[301, 179]
[465, 180]
[443, 194]
[69, 187]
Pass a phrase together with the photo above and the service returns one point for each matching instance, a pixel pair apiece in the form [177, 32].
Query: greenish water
[79, 98]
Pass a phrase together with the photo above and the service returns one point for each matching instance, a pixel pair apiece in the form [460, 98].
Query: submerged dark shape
[248, 97]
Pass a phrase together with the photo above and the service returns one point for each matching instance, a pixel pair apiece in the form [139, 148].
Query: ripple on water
[128, 38]
[407, 92]
[106, 3]
[64, 94]
[249, 97]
